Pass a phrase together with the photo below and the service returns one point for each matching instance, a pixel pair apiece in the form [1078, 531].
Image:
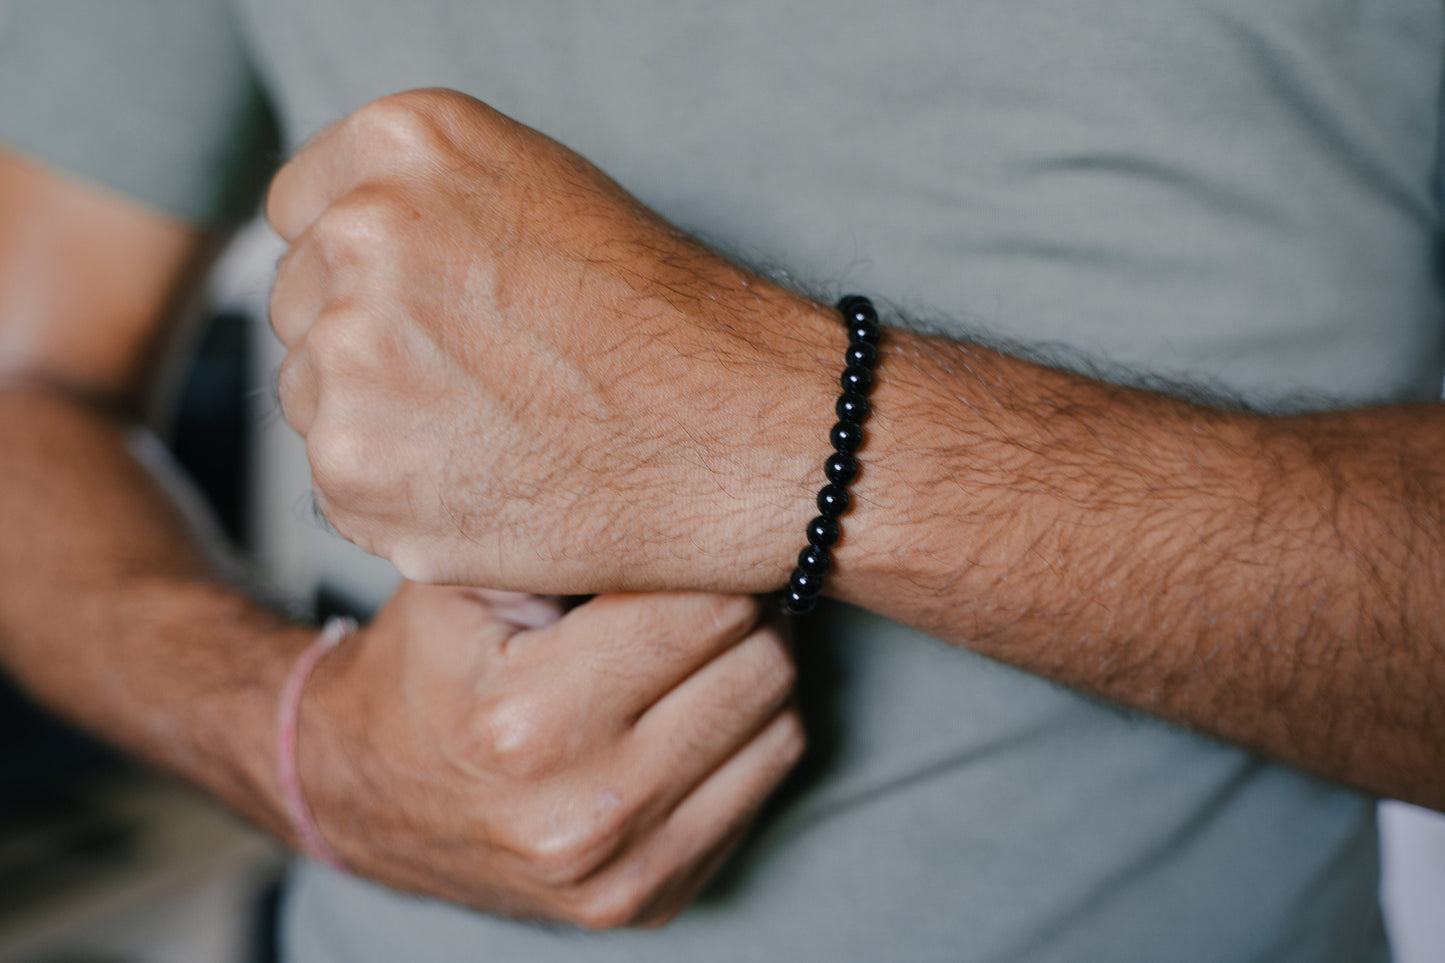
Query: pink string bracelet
[308, 835]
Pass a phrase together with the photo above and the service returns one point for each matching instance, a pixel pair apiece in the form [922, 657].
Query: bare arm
[110, 616]
[444, 750]
[1273, 581]
[108, 611]
[662, 415]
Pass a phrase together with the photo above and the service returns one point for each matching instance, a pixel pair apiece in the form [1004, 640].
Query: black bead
[862, 354]
[861, 320]
[795, 604]
[857, 309]
[823, 532]
[841, 468]
[805, 585]
[856, 380]
[846, 437]
[864, 332]
[832, 501]
[851, 408]
[815, 561]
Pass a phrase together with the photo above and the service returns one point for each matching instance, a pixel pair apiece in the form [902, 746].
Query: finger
[693, 730]
[626, 651]
[300, 291]
[521, 609]
[451, 623]
[320, 172]
[660, 867]
[298, 390]
[401, 131]
[323, 271]
[636, 781]
[678, 893]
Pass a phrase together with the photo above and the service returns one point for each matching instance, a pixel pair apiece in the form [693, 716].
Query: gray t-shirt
[1236, 194]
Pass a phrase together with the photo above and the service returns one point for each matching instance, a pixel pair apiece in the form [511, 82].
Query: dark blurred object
[131, 867]
[54, 839]
[332, 602]
[39, 753]
[210, 436]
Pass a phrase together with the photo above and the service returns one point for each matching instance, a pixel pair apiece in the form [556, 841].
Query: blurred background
[102, 862]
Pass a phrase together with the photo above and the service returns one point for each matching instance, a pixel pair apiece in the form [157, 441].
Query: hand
[511, 373]
[594, 771]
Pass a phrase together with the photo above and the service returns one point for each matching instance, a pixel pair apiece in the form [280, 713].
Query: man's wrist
[789, 436]
[230, 742]
[327, 755]
[934, 493]
[202, 701]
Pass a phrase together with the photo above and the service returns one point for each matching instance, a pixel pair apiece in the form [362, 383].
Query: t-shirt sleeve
[153, 98]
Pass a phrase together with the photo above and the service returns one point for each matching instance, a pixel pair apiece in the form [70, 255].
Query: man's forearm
[435, 759]
[1273, 581]
[604, 405]
[110, 616]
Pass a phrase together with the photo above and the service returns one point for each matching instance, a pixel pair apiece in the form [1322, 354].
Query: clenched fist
[510, 373]
[595, 770]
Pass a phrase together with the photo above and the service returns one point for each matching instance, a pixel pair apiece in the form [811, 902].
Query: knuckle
[410, 123]
[730, 614]
[415, 561]
[328, 337]
[340, 461]
[295, 389]
[777, 672]
[568, 850]
[520, 737]
[346, 343]
[559, 868]
[290, 306]
[611, 907]
[438, 101]
[363, 224]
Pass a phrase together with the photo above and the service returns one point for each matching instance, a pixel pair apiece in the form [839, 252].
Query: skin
[511, 373]
[593, 769]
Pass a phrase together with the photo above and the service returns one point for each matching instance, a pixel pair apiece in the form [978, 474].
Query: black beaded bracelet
[841, 467]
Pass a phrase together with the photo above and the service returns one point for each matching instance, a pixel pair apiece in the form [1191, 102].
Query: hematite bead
[863, 332]
[851, 407]
[832, 501]
[795, 604]
[846, 437]
[856, 309]
[862, 354]
[861, 320]
[823, 532]
[841, 468]
[815, 561]
[805, 585]
[856, 380]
